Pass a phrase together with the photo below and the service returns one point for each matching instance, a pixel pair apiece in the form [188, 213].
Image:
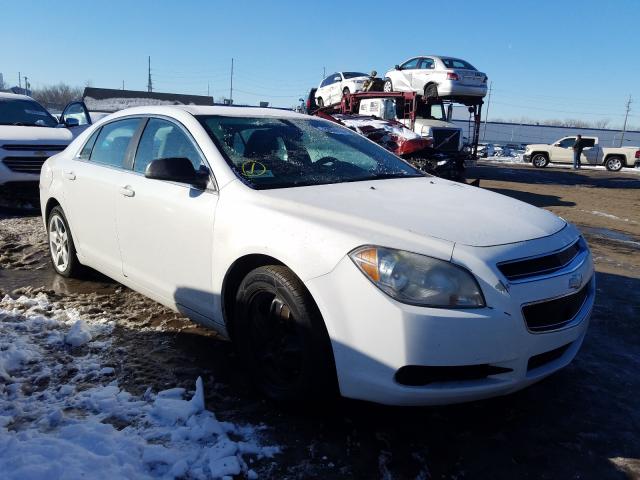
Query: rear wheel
[320, 102]
[388, 86]
[431, 91]
[61, 246]
[613, 164]
[539, 160]
[281, 336]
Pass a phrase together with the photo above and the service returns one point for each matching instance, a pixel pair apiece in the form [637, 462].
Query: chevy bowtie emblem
[575, 281]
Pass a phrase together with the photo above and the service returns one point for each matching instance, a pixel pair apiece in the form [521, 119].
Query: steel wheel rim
[538, 160]
[275, 342]
[387, 86]
[615, 164]
[58, 243]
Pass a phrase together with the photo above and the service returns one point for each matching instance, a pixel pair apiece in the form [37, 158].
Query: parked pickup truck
[613, 158]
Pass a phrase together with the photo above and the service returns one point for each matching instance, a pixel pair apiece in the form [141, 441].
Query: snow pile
[63, 416]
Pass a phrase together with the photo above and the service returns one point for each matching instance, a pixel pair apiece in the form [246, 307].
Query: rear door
[91, 181]
[165, 229]
[591, 152]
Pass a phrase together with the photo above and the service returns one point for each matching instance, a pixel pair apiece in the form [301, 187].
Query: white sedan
[326, 259]
[435, 77]
[332, 88]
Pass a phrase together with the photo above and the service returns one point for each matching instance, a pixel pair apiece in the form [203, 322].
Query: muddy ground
[581, 423]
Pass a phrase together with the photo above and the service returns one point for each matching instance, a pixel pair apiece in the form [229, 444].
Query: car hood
[429, 207]
[533, 146]
[26, 135]
[436, 123]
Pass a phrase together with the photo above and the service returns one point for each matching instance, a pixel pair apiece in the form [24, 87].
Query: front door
[562, 151]
[165, 229]
[91, 182]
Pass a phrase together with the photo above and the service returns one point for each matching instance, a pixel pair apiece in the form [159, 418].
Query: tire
[346, 91]
[281, 337]
[614, 164]
[62, 250]
[388, 85]
[320, 102]
[431, 91]
[539, 160]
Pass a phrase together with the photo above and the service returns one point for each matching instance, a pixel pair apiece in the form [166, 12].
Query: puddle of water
[611, 235]
[47, 278]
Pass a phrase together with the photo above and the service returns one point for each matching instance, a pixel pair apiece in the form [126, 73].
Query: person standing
[577, 151]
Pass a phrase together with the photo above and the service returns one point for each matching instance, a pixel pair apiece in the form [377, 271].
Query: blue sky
[546, 59]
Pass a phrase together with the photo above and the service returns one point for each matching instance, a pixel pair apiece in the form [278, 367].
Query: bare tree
[57, 96]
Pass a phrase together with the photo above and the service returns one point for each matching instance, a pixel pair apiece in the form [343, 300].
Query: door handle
[69, 175]
[127, 191]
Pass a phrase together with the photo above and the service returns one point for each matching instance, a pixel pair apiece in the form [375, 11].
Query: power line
[624, 127]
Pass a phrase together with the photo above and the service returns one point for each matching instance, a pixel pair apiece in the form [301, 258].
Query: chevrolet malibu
[328, 261]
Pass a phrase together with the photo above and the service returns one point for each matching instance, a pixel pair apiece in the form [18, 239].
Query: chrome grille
[542, 265]
[24, 164]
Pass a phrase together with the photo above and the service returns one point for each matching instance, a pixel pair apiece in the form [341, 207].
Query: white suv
[435, 76]
[327, 259]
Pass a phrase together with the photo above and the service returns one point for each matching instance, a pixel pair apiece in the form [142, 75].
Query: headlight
[418, 279]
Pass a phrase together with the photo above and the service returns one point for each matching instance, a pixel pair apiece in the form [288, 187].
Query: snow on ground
[63, 416]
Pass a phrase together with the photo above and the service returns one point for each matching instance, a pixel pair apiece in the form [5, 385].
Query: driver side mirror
[177, 169]
[71, 122]
[397, 67]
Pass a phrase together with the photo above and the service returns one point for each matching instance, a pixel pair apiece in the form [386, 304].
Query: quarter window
[85, 153]
[112, 142]
[163, 139]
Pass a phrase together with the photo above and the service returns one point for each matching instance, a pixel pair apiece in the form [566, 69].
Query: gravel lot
[581, 423]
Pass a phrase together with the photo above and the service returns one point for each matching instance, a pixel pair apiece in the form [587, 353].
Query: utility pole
[626, 115]
[484, 134]
[324, 73]
[19, 80]
[231, 87]
[26, 83]
[122, 84]
[149, 83]
[208, 89]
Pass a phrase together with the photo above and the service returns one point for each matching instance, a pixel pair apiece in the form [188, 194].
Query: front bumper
[7, 175]
[374, 337]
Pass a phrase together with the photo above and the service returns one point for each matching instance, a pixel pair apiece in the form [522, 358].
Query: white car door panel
[91, 187]
[165, 229]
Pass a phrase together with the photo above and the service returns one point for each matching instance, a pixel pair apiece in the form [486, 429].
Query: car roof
[15, 96]
[227, 111]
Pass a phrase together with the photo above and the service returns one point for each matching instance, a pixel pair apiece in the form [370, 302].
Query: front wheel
[320, 102]
[613, 164]
[539, 160]
[61, 246]
[388, 86]
[281, 337]
[345, 91]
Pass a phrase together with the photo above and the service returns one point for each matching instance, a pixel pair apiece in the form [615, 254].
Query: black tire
[320, 102]
[281, 337]
[388, 85]
[539, 160]
[346, 91]
[614, 163]
[56, 221]
[431, 91]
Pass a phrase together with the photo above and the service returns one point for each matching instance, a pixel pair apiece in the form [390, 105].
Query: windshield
[24, 112]
[354, 74]
[457, 63]
[278, 153]
[434, 111]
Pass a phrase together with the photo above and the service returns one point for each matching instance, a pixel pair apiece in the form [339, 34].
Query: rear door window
[112, 142]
